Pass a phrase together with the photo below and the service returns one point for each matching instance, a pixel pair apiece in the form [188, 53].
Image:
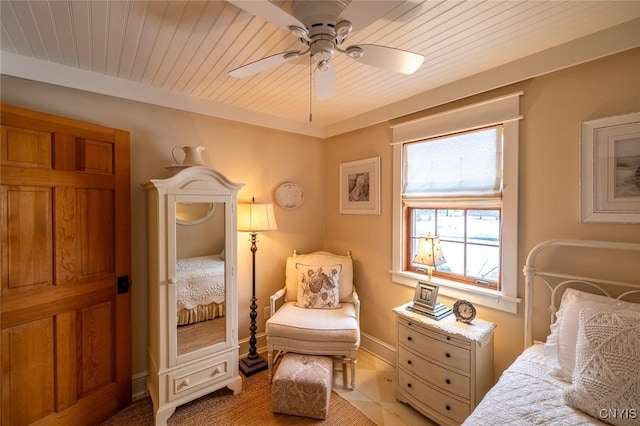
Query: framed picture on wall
[360, 186]
[610, 169]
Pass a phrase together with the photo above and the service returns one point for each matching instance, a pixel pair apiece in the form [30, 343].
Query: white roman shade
[462, 165]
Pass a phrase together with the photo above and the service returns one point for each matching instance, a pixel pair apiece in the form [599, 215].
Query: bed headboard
[557, 281]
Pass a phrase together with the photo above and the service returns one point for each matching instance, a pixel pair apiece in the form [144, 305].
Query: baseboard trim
[378, 348]
[139, 388]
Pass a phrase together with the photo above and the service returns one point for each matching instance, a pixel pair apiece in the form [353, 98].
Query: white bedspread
[527, 395]
[200, 281]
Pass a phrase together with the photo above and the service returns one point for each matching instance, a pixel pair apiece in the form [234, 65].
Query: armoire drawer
[434, 348]
[203, 374]
[445, 379]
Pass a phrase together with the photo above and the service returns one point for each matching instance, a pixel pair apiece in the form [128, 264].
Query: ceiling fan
[323, 26]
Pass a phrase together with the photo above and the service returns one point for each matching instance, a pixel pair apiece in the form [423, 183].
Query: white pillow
[318, 286]
[606, 383]
[560, 347]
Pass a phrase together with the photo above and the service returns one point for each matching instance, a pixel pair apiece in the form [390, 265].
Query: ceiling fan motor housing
[323, 33]
[319, 17]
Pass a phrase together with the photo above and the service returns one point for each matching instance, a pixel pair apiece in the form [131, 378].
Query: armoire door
[65, 263]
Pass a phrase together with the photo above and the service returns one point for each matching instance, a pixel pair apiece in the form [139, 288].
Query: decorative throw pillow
[560, 347]
[321, 258]
[318, 286]
[606, 383]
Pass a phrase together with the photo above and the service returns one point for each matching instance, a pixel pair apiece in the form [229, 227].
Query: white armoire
[193, 307]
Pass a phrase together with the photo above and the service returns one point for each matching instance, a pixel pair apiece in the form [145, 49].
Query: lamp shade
[256, 217]
[429, 252]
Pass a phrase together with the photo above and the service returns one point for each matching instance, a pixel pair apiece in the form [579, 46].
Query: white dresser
[443, 368]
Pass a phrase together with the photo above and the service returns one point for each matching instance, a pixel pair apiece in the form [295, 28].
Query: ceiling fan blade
[391, 59]
[325, 77]
[361, 13]
[268, 11]
[263, 64]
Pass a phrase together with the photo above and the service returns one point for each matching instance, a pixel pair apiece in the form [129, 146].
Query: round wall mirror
[193, 213]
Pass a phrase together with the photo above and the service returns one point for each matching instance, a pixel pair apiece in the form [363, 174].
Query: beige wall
[553, 107]
[260, 158]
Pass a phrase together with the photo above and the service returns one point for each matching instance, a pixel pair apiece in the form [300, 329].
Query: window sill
[483, 297]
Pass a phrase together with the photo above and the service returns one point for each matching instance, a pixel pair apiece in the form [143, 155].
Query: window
[463, 174]
[455, 176]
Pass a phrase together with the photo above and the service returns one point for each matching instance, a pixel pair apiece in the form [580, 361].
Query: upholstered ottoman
[302, 386]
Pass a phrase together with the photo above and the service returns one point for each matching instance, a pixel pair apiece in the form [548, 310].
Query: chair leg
[353, 373]
[344, 372]
[270, 364]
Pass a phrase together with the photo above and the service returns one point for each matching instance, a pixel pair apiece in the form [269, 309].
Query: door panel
[26, 223]
[95, 210]
[28, 371]
[65, 222]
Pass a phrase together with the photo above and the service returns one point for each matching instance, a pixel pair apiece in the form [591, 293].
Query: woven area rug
[252, 406]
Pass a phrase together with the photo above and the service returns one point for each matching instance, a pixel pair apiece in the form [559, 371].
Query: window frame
[499, 111]
[463, 278]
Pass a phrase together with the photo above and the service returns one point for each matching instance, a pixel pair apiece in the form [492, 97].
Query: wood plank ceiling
[188, 47]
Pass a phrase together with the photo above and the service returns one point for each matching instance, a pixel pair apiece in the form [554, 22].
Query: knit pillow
[560, 347]
[605, 382]
[318, 286]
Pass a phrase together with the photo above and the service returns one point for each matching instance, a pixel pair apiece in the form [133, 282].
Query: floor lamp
[254, 217]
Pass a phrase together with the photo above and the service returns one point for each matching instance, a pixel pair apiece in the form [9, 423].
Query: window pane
[451, 224]
[483, 262]
[423, 222]
[454, 256]
[483, 226]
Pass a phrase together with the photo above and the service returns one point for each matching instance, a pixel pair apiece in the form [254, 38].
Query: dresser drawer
[447, 380]
[430, 345]
[194, 377]
[434, 399]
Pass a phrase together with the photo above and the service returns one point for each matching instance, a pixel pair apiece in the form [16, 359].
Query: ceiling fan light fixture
[323, 66]
[322, 49]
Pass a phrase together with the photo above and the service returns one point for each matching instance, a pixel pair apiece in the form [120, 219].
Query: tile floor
[375, 394]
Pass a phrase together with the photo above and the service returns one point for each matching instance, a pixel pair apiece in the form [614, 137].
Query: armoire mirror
[200, 275]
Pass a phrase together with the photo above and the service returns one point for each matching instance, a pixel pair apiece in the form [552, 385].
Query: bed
[200, 282]
[587, 370]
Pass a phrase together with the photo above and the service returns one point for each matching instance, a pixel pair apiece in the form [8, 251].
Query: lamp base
[252, 366]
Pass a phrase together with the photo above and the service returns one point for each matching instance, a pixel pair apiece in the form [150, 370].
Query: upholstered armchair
[319, 313]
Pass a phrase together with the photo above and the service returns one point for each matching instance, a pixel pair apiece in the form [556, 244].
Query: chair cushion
[320, 258]
[318, 325]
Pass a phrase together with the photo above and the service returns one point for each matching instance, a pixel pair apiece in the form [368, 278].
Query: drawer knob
[448, 407]
[448, 355]
[409, 338]
[408, 385]
[448, 381]
[186, 382]
[409, 323]
[409, 362]
[448, 337]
